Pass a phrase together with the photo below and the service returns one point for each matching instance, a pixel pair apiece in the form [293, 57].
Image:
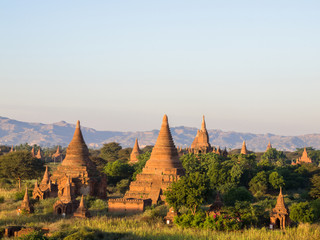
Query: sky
[248, 66]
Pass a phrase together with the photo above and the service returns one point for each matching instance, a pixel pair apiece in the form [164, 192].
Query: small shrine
[201, 143]
[244, 150]
[82, 211]
[279, 217]
[135, 153]
[303, 159]
[169, 218]
[269, 146]
[26, 206]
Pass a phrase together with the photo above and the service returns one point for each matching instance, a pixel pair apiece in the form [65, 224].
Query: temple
[201, 143]
[279, 217]
[25, 206]
[39, 156]
[244, 148]
[215, 208]
[84, 177]
[46, 189]
[82, 211]
[57, 155]
[163, 168]
[76, 176]
[32, 152]
[135, 153]
[269, 146]
[303, 159]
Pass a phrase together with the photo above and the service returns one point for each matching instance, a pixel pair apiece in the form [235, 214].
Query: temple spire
[81, 202]
[39, 154]
[26, 196]
[269, 146]
[244, 148]
[135, 152]
[77, 151]
[203, 124]
[280, 206]
[46, 177]
[164, 154]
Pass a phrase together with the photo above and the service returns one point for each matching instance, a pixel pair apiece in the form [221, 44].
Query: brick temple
[244, 148]
[163, 168]
[303, 159]
[201, 143]
[279, 217]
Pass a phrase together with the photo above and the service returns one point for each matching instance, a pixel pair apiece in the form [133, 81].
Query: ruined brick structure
[170, 216]
[25, 206]
[82, 211]
[84, 177]
[201, 143]
[303, 159]
[163, 168]
[244, 148]
[215, 208]
[46, 188]
[57, 156]
[128, 205]
[135, 153]
[279, 217]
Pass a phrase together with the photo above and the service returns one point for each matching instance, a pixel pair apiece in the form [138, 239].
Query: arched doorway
[59, 211]
[277, 223]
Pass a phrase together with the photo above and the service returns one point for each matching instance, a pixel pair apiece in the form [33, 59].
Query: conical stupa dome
[164, 154]
[77, 151]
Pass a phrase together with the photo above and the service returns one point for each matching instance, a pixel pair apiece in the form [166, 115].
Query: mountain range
[13, 132]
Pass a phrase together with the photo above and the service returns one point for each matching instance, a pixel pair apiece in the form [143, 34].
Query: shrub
[98, 204]
[237, 194]
[1, 199]
[302, 212]
[35, 235]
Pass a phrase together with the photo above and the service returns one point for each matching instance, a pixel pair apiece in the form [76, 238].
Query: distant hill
[13, 132]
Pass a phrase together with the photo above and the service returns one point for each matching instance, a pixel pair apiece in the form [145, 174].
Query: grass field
[105, 226]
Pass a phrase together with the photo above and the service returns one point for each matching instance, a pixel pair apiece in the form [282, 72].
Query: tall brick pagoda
[163, 168]
[244, 148]
[201, 143]
[135, 153]
[84, 177]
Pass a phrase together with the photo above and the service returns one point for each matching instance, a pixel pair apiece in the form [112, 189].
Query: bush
[302, 212]
[35, 235]
[237, 194]
[1, 199]
[98, 204]
[155, 212]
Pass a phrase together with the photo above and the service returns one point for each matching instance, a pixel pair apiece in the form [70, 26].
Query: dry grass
[136, 226]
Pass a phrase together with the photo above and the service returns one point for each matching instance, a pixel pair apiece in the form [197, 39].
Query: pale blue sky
[250, 66]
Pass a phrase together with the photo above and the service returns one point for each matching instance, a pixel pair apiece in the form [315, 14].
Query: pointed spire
[81, 202]
[39, 154]
[269, 146]
[11, 150]
[46, 177]
[26, 196]
[280, 206]
[77, 151]
[36, 184]
[58, 150]
[244, 148]
[304, 158]
[32, 152]
[203, 124]
[135, 152]
[164, 154]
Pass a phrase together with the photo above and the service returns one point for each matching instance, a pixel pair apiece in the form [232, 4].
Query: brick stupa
[163, 168]
[135, 153]
[303, 159]
[279, 217]
[25, 206]
[84, 177]
[201, 143]
[39, 156]
[244, 148]
[82, 211]
[269, 146]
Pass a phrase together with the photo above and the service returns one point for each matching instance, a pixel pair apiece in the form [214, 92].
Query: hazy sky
[250, 66]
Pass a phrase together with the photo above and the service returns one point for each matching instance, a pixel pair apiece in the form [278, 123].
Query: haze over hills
[13, 132]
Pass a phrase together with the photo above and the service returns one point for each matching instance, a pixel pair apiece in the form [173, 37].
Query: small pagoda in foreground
[279, 217]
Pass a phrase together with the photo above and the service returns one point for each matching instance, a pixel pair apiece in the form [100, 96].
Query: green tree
[302, 212]
[109, 151]
[273, 157]
[190, 191]
[237, 194]
[117, 170]
[20, 165]
[315, 189]
[259, 184]
[276, 180]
